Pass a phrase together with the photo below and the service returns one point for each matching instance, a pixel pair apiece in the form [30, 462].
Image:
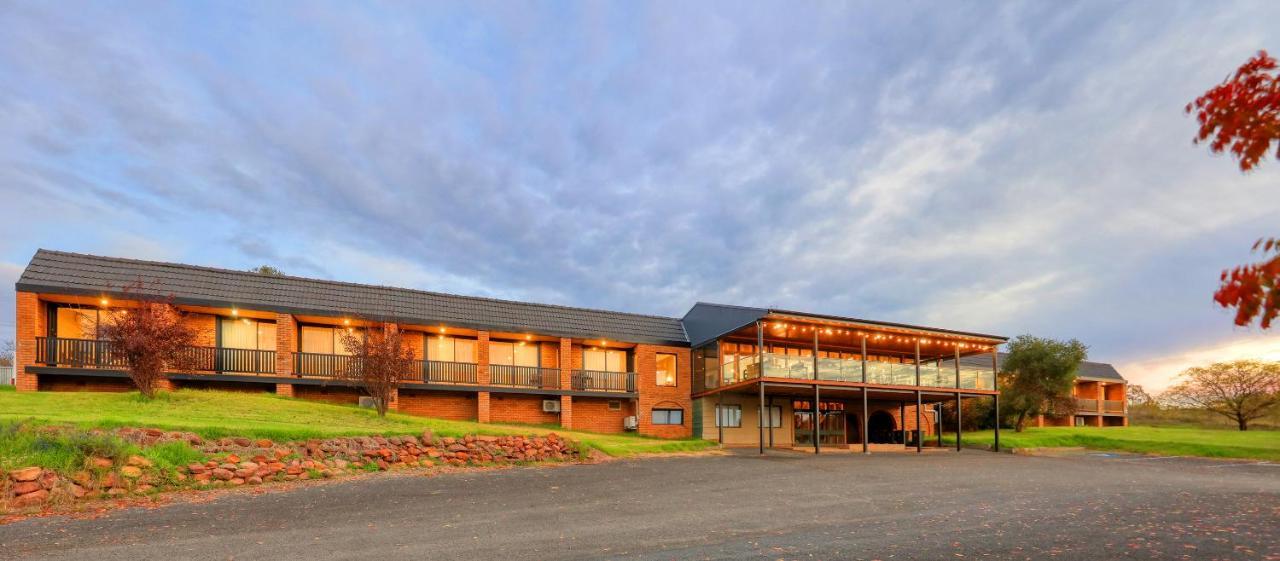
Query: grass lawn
[213, 414]
[1167, 441]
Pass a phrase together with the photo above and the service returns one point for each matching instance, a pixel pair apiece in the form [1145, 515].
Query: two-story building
[821, 380]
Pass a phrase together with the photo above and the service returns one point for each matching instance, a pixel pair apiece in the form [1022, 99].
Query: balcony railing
[524, 376]
[599, 381]
[437, 371]
[96, 353]
[321, 365]
[932, 374]
[1113, 406]
[1086, 405]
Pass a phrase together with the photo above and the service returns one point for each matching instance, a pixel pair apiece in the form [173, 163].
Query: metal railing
[595, 380]
[1086, 405]
[524, 376]
[320, 365]
[1113, 406]
[437, 371]
[97, 353]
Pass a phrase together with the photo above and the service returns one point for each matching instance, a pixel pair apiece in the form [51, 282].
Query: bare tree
[1242, 390]
[6, 353]
[1135, 394]
[380, 359]
[267, 270]
[150, 337]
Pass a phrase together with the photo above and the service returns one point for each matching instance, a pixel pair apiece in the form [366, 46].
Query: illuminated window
[666, 369]
[450, 349]
[601, 360]
[325, 340]
[245, 333]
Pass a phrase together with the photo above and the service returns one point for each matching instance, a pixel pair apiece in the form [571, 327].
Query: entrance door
[831, 424]
[880, 427]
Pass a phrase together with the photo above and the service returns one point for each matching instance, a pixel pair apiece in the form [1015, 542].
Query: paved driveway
[968, 505]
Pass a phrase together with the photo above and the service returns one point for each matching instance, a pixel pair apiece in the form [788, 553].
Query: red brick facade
[458, 406]
[519, 408]
[653, 396]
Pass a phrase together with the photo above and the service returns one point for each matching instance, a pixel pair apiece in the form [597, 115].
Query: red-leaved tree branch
[1241, 116]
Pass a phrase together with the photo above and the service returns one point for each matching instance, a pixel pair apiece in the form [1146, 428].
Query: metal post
[771, 421]
[719, 423]
[938, 415]
[995, 385]
[958, 416]
[760, 339]
[902, 418]
[817, 413]
[919, 433]
[864, 395]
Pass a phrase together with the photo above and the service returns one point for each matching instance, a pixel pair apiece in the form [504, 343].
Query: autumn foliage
[1242, 116]
[380, 360]
[149, 337]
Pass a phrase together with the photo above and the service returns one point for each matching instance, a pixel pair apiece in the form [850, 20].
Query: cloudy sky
[1017, 168]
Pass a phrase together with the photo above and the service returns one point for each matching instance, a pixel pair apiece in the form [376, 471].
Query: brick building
[824, 380]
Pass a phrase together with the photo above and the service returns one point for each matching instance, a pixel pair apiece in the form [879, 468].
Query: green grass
[214, 414]
[1165, 441]
[7, 388]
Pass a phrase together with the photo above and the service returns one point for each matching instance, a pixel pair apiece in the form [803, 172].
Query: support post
[919, 433]
[938, 415]
[995, 385]
[864, 396]
[958, 416]
[770, 416]
[902, 420]
[817, 411]
[719, 423]
[760, 340]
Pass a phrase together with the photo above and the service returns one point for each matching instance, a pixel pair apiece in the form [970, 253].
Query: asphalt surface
[784, 506]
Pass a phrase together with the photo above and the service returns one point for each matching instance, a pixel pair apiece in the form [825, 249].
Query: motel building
[747, 377]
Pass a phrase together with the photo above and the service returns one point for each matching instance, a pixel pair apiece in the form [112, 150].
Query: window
[245, 333]
[668, 416]
[450, 349]
[615, 405]
[513, 354]
[325, 340]
[602, 360]
[729, 416]
[775, 416]
[77, 323]
[666, 371]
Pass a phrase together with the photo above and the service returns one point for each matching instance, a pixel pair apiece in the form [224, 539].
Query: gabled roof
[74, 273]
[1088, 370]
[707, 321]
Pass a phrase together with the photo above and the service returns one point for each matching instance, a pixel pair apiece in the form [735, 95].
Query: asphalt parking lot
[783, 506]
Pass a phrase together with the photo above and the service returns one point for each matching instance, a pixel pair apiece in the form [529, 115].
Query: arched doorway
[880, 427]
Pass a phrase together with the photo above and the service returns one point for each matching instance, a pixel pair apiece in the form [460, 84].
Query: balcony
[524, 376]
[932, 374]
[1113, 406]
[94, 353]
[1086, 405]
[599, 381]
[322, 365]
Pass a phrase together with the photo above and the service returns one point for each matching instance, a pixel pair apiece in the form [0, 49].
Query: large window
[513, 354]
[450, 349]
[325, 340]
[604, 360]
[245, 333]
[668, 416]
[729, 416]
[666, 370]
[775, 416]
[78, 323]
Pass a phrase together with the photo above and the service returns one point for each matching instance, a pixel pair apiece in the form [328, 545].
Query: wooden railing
[1086, 405]
[437, 371]
[595, 380]
[1113, 406]
[97, 353]
[524, 376]
[320, 365]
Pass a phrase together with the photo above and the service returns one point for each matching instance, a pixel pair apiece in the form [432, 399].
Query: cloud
[1158, 372]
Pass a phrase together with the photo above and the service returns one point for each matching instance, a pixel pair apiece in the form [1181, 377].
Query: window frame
[728, 407]
[770, 409]
[653, 416]
[675, 371]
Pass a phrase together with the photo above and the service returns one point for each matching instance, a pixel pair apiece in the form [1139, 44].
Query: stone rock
[26, 474]
[255, 480]
[237, 481]
[263, 443]
[25, 487]
[138, 461]
[131, 471]
[31, 499]
[232, 458]
[242, 442]
[222, 474]
[100, 463]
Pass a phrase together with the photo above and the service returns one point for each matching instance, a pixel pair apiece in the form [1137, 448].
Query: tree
[1038, 375]
[150, 338]
[1242, 390]
[1137, 395]
[380, 359]
[267, 270]
[1242, 116]
[6, 353]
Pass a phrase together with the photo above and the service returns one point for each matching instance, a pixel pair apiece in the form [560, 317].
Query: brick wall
[593, 414]
[663, 397]
[205, 326]
[459, 406]
[516, 408]
[286, 333]
[564, 352]
[243, 387]
[84, 384]
[30, 321]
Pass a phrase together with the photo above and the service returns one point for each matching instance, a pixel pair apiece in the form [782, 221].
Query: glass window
[666, 373]
[526, 354]
[77, 323]
[450, 349]
[317, 340]
[501, 353]
[775, 416]
[245, 333]
[603, 360]
[729, 416]
[668, 416]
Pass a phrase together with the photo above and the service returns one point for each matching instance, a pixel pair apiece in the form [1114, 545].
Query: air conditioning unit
[629, 423]
[550, 406]
[368, 402]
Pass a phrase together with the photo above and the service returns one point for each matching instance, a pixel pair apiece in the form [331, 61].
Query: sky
[1002, 168]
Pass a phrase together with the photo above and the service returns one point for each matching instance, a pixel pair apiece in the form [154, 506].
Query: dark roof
[706, 321]
[1088, 370]
[74, 273]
